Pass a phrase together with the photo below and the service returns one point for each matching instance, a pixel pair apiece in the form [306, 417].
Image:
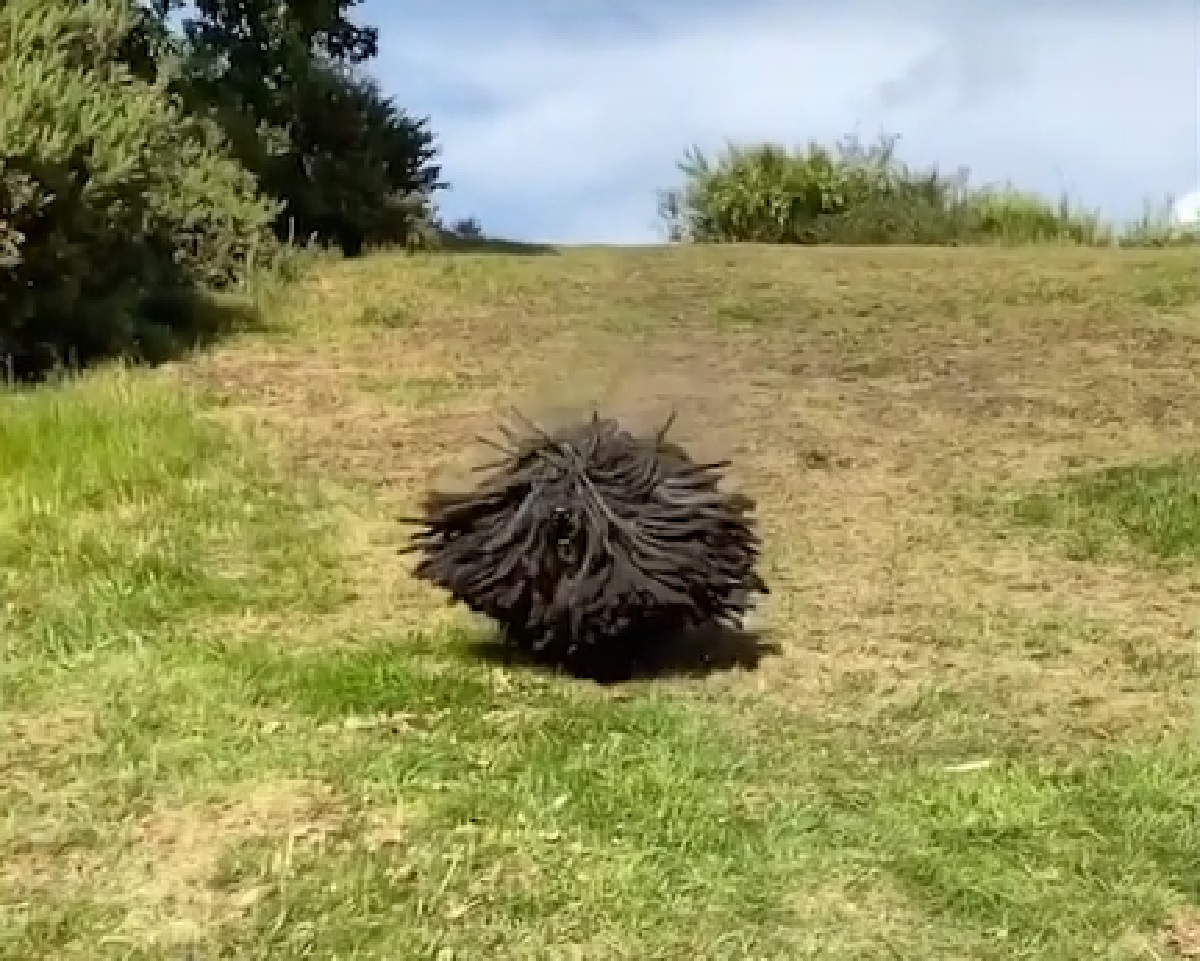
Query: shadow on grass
[495, 245]
[169, 328]
[212, 319]
[693, 654]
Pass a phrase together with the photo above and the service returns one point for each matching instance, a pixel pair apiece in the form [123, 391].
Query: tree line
[148, 150]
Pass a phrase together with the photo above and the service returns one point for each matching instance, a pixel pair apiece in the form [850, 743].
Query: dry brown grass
[857, 391]
[1182, 938]
[160, 871]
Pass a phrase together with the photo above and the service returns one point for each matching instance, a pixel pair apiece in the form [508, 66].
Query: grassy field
[232, 727]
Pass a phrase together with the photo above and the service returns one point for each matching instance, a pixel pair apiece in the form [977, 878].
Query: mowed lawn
[232, 726]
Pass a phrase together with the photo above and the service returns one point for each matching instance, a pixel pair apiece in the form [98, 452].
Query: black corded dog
[591, 536]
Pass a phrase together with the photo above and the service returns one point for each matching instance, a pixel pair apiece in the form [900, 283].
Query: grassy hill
[231, 724]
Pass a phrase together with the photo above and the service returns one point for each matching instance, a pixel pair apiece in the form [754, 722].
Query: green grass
[227, 728]
[525, 820]
[1147, 508]
[126, 513]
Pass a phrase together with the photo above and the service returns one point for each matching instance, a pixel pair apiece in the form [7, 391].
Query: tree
[356, 169]
[149, 44]
[281, 77]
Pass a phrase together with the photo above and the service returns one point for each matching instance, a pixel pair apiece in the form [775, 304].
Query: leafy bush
[114, 206]
[855, 195]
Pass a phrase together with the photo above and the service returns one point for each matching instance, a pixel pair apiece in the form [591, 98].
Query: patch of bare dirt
[33, 743]
[164, 871]
[177, 853]
[1182, 935]
[45, 731]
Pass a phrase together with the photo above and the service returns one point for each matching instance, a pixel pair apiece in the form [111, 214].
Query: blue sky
[558, 121]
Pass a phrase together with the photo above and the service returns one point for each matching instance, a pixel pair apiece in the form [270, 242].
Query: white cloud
[583, 125]
[1186, 210]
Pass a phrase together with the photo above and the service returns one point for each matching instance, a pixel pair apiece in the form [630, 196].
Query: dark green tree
[149, 44]
[282, 78]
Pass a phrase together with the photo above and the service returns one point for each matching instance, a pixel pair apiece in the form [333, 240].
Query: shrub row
[856, 194]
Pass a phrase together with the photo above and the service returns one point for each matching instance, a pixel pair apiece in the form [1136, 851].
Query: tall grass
[864, 194]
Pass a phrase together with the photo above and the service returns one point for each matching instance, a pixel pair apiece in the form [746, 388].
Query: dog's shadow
[693, 654]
